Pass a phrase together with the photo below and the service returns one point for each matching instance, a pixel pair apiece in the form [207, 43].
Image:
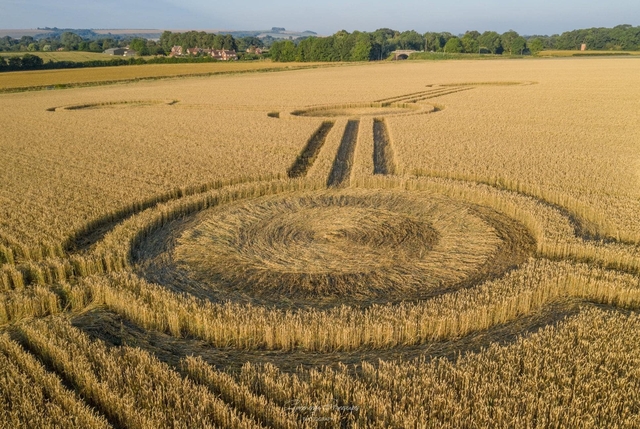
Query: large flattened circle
[326, 248]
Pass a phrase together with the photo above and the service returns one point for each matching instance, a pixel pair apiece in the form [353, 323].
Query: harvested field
[317, 249]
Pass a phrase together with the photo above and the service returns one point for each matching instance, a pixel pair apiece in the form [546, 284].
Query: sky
[324, 17]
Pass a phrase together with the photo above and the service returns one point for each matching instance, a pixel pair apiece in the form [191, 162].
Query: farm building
[121, 52]
[115, 51]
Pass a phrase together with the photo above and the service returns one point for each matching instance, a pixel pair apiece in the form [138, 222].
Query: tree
[229, 43]
[518, 45]
[283, 51]
[411, 40]
[507, 39]
[14, 63]
[324, 50]
[380, 47]
[70, 40]
[139, 45]
[453, 45]
[217, 42]
[469, 43]
[383, 43]
[433, 42]
[343, 43]
[535, 45]
[362, 49]
[166, 40]
[245, 43]
[490, 40]
[31, 62]
[288, 51]
[473, 34]
[305, 47]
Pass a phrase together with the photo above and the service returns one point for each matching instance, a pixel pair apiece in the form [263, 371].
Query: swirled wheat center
[353, 243]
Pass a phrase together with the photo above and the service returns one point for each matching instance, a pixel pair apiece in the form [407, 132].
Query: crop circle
[363, 109]
[353, 246]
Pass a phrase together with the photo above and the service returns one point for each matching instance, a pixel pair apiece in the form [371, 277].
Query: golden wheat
[323, 216]
[118, 379]
[106, 75]
[30, 396]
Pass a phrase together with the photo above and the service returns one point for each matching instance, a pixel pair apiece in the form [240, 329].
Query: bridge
[402, 54]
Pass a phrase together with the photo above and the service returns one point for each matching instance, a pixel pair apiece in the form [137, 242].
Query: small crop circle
[363, 109]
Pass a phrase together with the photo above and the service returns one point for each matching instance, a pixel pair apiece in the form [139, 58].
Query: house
[254, 50]
[130, 53]
[219, 54]
[224, 55]
[194, 51]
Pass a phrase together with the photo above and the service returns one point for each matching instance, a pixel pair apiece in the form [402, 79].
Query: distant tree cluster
[621, 37]
[197, 39]
[359, 46]
[344, 46]
[70, 41]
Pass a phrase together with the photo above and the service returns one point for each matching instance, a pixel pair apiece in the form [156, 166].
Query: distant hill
[18, 33]
[274, 32]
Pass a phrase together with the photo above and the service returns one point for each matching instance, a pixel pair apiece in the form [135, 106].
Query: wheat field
[69, 78]
[410, 244]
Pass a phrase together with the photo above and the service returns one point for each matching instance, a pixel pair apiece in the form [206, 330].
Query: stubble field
[388, 245]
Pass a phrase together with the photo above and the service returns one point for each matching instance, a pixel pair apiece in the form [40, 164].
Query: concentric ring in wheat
[349, 246]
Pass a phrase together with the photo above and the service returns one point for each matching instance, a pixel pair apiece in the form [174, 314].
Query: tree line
[377, 45]
[70, 41]
[34, 62]
[341, 46]
[619, 38]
